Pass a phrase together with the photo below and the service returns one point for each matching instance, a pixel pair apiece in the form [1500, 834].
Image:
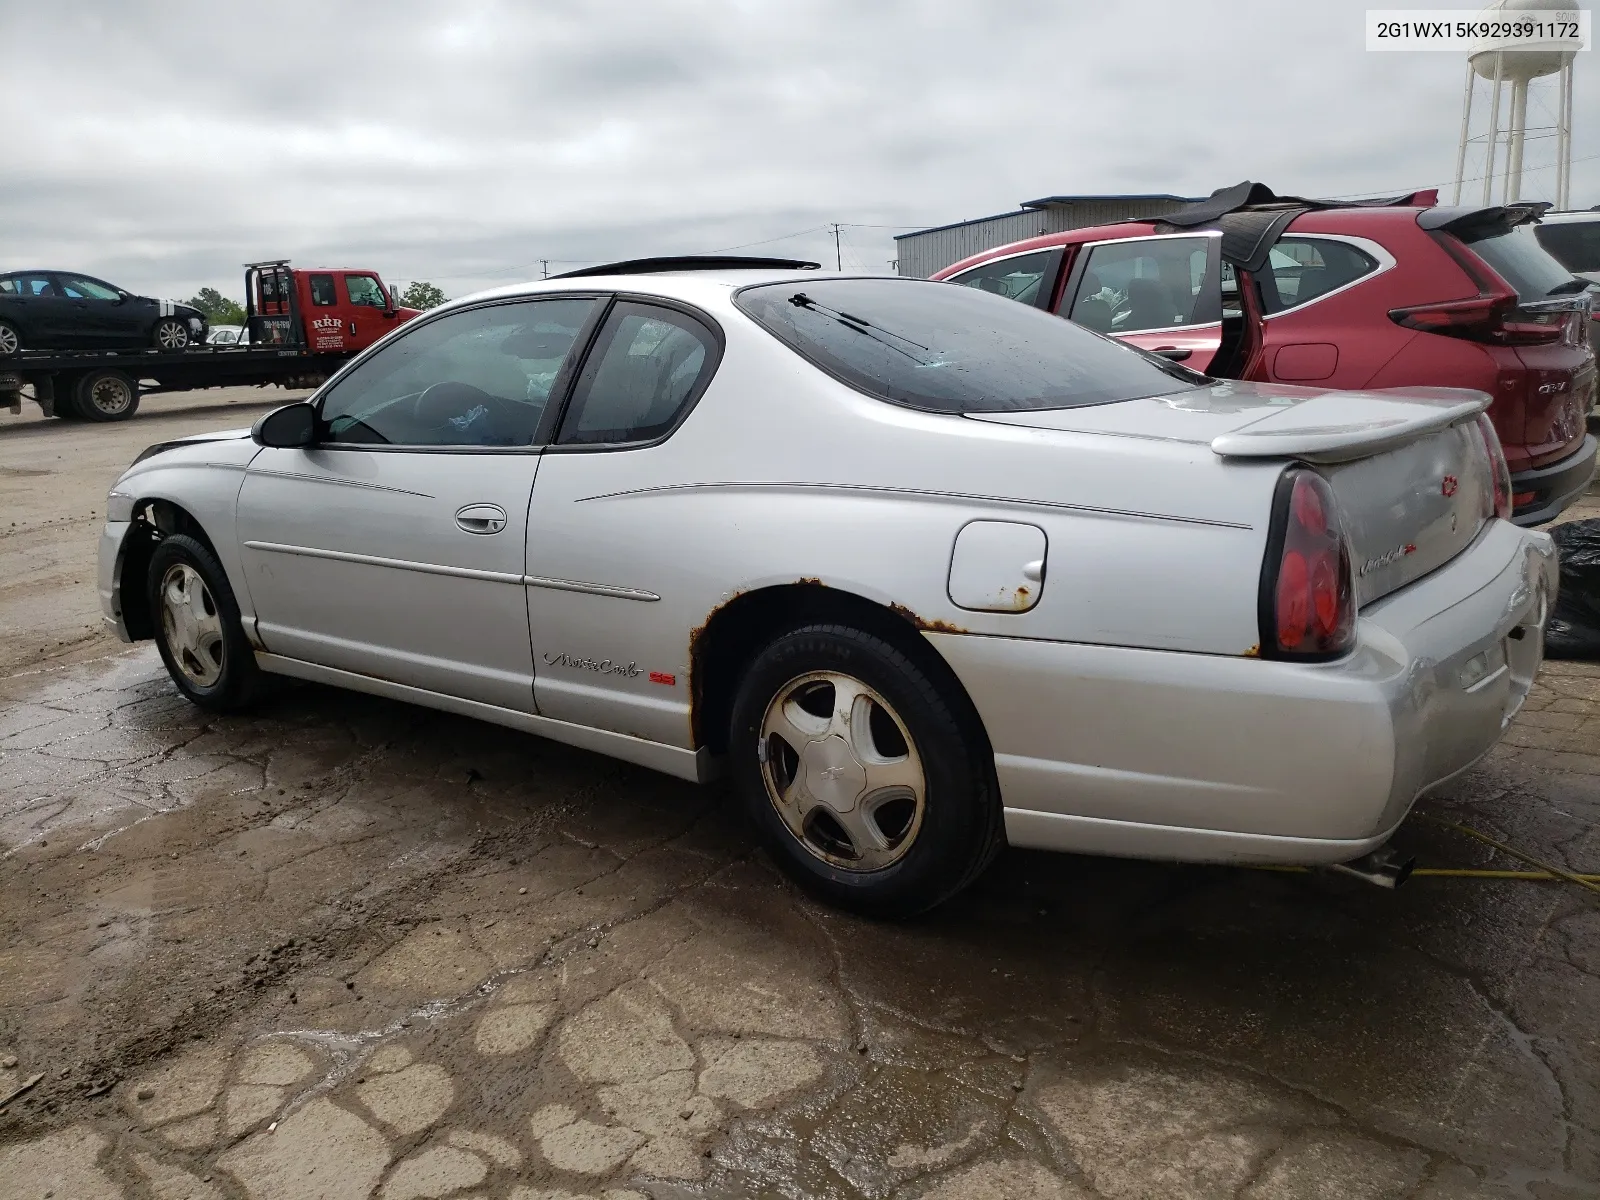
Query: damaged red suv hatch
[1389, 294]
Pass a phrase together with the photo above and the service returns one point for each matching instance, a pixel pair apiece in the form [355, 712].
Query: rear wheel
[106, 395]
[863, 779]
[10, 339]
[197, 626]
[171, 334]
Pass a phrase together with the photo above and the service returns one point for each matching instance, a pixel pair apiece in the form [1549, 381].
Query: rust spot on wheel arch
[923, 623]
[697, 680]
[1254, 651]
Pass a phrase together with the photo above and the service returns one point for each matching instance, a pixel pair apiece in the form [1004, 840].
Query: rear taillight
[1502, 498]
[1495, 319]
[1492, 316]
[1308, 607]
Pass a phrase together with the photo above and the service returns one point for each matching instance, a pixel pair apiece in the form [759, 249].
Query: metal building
[920, 254]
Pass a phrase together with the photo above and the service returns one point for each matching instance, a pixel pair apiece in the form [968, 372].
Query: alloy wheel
[191, 625]
[171, 335]
[842, 772]
[10, 343]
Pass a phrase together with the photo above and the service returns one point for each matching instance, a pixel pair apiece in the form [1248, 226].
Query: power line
[767, 241]
[1448, 182]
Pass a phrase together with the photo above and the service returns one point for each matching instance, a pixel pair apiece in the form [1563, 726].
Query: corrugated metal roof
[1047, 201]
[1057, 202]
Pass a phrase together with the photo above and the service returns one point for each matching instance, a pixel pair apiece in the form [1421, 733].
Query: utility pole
[838, 262]
[544, 268]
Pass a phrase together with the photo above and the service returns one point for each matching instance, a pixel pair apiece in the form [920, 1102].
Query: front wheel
[864, 780]
[171, 334]
[197, 626]
[10, 339]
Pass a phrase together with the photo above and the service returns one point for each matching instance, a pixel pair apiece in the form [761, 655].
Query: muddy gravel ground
[342, 947]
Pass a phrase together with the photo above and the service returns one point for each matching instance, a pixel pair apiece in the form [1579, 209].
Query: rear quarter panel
[782, 476]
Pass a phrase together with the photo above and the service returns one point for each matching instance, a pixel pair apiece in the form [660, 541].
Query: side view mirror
[288, 428]
[389, 306]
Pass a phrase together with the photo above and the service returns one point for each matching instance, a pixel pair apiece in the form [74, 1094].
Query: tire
[106, 395]
[170, 334]
[10, 339]
[810, 802]
[65, 404]
[199, 635]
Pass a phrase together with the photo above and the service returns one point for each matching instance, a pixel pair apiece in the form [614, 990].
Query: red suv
[1248, 285]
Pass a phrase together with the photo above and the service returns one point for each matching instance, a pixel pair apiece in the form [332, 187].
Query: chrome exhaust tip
[1383, 867]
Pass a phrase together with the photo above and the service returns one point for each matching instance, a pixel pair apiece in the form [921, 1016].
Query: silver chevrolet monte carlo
[924, 570]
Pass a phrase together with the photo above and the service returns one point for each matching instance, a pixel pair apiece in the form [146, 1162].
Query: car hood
[195, 439]
[1258, 420]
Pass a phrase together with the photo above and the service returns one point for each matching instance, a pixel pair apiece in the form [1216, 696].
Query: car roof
[712, 288]
[1318, 220]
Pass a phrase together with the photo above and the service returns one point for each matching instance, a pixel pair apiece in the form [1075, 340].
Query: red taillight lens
[1473, 319]
[1522, 327]
[1492, 318]
[1308, 605]
[1503, 500]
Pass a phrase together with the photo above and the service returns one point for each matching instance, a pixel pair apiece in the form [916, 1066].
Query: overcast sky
[462, 142]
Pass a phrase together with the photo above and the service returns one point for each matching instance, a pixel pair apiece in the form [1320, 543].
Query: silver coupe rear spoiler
[1343, 426]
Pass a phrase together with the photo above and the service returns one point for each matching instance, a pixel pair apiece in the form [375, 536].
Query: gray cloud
[462, 143]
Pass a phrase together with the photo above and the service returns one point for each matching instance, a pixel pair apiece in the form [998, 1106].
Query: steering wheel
[439, 405]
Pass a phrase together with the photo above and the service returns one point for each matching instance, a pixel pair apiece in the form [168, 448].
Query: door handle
[481, 518]
[1172, 352]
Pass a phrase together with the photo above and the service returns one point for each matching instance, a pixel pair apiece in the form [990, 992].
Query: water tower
[1507, 134]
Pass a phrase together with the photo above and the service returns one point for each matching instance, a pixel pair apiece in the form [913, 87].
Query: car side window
[1302, 269]
[477, 377]
[79, 288]
[648, 364]
[364, 289]
[1145, 284]
[9, 287]
[36, 285]
[322, 292]
[1016, 278]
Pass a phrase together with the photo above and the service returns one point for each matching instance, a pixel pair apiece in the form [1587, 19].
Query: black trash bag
[1573, 628]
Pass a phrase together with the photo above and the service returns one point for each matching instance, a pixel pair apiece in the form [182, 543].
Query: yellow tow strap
[1546, 872]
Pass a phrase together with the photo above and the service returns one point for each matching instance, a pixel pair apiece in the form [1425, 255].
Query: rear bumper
[1216, 758]
[1555, 486]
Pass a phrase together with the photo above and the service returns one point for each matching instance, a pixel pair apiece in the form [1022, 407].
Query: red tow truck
[303, 323]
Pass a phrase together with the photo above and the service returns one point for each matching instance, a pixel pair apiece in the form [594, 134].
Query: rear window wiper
[862, 326]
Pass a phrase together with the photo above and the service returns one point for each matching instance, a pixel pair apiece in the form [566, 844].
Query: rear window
[954, 349]
[1521, 261]
[1575, 244]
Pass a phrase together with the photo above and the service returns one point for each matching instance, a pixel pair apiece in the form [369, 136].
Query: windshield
[1521, 261]
[1575, 243]
[954, 349]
